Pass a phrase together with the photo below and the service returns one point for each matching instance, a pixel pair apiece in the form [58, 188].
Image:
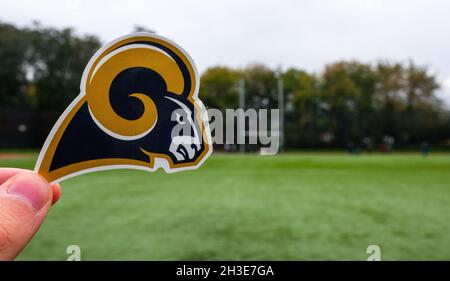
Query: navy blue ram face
[137, 104]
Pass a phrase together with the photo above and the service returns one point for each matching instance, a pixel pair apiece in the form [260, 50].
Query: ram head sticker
[137, 108]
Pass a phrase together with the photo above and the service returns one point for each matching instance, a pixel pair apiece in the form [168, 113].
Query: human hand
[25, 199]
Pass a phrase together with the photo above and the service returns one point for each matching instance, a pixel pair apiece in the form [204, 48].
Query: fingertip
[56, 188]
[25, 200]
[31, 188]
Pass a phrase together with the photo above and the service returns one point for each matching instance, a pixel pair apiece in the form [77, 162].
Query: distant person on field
[425, 148]
[350, 147]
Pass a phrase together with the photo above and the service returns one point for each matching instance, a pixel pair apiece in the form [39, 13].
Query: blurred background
[364, 88]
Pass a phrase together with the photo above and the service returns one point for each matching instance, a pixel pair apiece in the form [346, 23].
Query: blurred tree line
[347, 103]
[42, 67]
[40, 76]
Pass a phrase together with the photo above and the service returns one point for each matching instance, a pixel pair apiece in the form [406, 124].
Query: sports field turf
[287, 207]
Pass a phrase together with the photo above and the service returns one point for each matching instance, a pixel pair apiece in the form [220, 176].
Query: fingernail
[31, 188]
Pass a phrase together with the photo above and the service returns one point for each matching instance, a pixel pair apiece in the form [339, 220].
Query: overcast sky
[304, 34]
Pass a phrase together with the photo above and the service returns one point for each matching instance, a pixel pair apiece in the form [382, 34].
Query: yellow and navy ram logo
[138, 95]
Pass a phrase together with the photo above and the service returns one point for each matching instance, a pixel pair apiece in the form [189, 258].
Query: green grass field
[248, 207]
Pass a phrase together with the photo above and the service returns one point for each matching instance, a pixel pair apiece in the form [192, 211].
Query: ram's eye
[180, 118]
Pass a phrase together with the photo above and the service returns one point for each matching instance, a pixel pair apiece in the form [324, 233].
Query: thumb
[24, 203]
